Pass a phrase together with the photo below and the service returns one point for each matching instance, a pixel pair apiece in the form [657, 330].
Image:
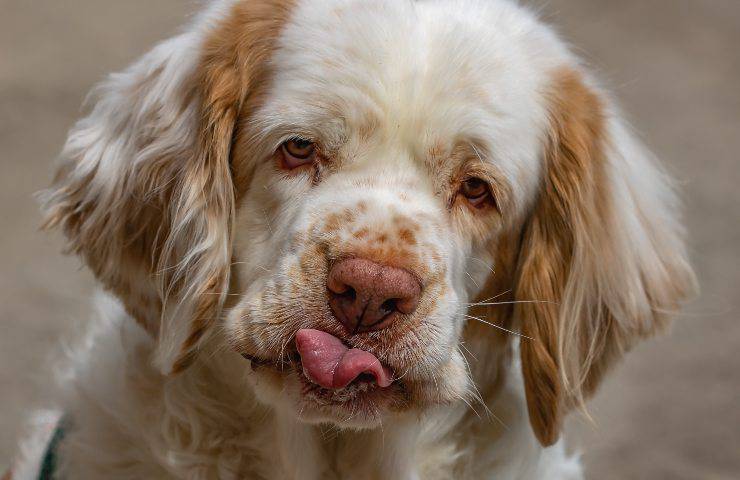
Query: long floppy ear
[602, 254]
[145, 193]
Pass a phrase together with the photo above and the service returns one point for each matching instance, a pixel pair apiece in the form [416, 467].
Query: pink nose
[365, 295]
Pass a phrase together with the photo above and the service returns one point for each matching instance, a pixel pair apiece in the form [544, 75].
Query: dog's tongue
[327, 362]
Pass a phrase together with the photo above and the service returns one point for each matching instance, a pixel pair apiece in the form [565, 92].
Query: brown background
[672, 410]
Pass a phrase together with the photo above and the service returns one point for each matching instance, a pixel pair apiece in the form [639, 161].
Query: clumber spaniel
[353, 239]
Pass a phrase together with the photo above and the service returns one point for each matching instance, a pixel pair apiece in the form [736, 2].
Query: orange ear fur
[599, 264]
[145, 193]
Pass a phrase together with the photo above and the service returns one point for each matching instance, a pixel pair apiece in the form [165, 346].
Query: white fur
[419, 74]
[184, 427]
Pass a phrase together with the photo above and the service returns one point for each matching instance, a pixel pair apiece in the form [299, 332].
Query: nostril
[339, 287]
[389, 306]
[349, 294]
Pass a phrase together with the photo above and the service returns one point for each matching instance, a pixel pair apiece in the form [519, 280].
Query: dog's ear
[602, 255]
[145, 193]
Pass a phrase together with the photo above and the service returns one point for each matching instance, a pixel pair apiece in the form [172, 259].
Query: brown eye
[297, 152]
[477, 192]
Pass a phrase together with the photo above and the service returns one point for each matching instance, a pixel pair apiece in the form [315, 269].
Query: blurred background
[670, 411]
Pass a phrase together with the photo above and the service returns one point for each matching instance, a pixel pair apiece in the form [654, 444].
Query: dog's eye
[477, 192]
[297, 152]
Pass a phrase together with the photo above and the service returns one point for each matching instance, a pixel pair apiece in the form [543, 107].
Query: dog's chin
[360, 405]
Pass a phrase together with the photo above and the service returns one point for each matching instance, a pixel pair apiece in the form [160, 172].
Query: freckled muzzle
[355, 316]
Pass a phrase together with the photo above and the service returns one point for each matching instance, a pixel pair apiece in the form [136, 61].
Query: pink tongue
[327, 362]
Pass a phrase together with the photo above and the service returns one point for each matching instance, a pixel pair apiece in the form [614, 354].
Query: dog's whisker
[485, 264]
[484, 304]
[225, 294]
[499, 327]
[472, 279]
[490, 298]
[462, 345]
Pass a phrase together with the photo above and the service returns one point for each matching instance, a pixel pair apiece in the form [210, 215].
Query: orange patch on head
[234, 66]
[402, 221]
[338, 220]
[231, 69]
[332, 224]
[348, 216]
[437, 150]
[407, 236]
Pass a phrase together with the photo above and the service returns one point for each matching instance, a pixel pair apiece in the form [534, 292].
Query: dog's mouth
[330, 372]
[327, 362]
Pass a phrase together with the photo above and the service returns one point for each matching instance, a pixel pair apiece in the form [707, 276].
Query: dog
[353, 239]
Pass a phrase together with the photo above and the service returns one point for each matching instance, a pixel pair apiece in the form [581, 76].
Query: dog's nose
[365, 295]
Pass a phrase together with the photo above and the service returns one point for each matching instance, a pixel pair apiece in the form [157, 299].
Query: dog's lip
[274, 363]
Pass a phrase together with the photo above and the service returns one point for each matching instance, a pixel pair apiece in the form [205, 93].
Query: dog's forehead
[427, 72]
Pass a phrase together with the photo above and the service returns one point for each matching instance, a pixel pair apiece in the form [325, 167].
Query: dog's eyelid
[297, 151]
[299, 147]
[478, 192]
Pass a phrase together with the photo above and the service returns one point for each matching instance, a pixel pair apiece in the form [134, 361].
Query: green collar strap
[49, 463]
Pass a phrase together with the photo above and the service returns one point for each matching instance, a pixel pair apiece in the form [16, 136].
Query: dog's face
[341, 181]
[381, 180]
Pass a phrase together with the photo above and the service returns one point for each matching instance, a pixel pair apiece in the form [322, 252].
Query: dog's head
[332, 187]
